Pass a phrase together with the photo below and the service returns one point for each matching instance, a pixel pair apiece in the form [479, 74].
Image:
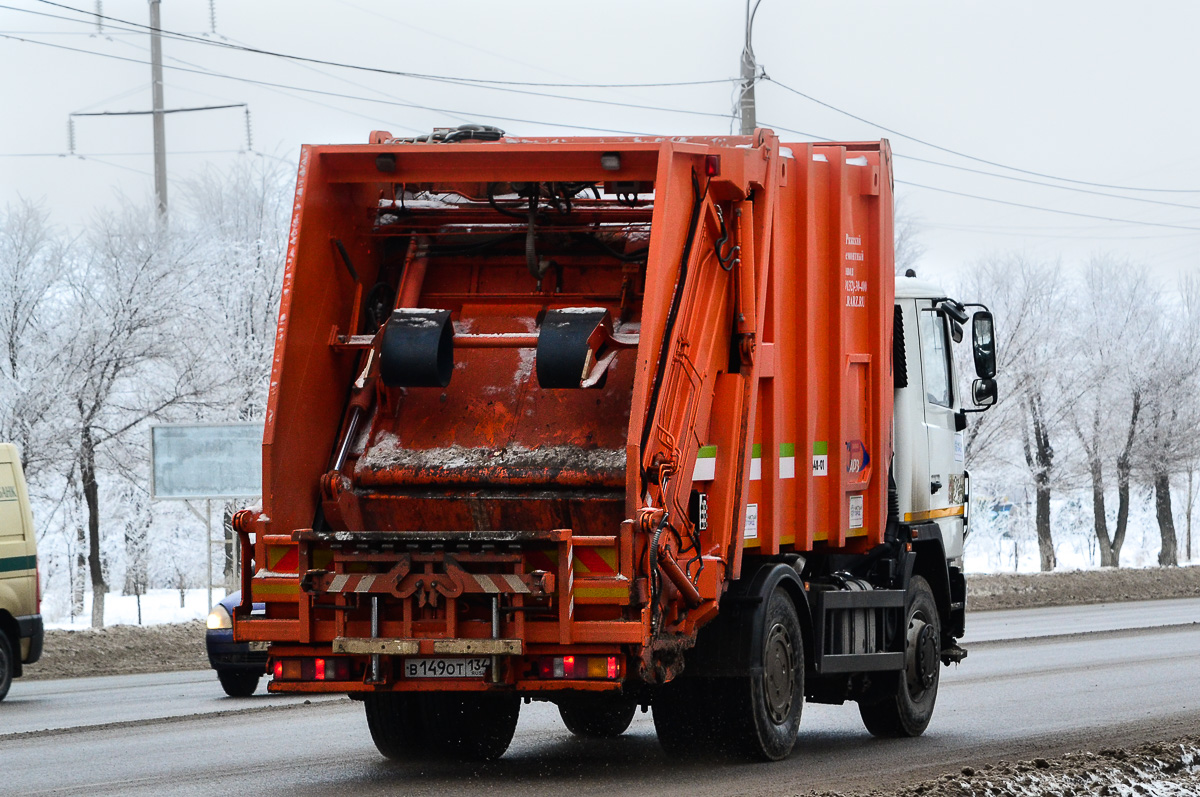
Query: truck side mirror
[983, 392]
[983, 346]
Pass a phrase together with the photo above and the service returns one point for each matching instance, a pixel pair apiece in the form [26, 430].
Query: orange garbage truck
[609, 422]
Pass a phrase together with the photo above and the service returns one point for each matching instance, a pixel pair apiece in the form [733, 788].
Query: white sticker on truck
[706, 464]
[751, 521]
[856, 511]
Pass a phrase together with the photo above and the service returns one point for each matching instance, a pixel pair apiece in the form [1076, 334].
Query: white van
[20, 602]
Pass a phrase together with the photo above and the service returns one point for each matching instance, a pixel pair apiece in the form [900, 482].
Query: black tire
[908, 705]
[397, 724]
[755, 716]
[8, 664]
[472, 726]
[685, 717]
[599, 716]
[238, 683]
[771, 706]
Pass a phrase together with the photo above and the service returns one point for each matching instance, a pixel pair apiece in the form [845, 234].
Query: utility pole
[749, 73]
[160, 133]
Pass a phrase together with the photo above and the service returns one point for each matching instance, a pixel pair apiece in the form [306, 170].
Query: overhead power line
[1027, 181]
[1050, 210]
[376, 100]
[361, 68]
[959, 154]
[1007, 202]
[116, 154]
[780, 127]
[505, 86]
[165, 110]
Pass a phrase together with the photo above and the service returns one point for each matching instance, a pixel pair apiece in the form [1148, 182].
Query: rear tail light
[324, 669]
[579, 667]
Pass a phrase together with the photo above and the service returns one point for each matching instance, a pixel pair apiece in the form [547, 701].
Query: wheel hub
[778, 684]
[923, 653]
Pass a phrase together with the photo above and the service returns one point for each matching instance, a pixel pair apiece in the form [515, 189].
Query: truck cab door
[947, 480]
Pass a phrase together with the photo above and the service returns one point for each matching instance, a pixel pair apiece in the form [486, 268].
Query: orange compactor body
[540, 409]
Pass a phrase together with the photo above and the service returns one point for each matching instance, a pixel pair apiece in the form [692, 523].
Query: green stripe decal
[787, 449]
[821, 448]
[756, 450]
[706, 452]
[11, 563]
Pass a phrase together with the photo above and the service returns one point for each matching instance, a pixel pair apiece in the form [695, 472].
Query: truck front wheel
[597, 716]
[908, 706]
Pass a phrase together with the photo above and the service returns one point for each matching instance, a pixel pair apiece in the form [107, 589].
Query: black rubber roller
[417, 349]
[562, 349]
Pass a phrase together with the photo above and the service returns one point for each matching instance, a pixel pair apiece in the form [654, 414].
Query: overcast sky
[1093, 92]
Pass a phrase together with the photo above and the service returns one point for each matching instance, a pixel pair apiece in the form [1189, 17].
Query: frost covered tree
[131, 352]
[242, 218]
[1027, 298]
[33, 260]
[906, 234]
[1172, 414]
[1114, 317]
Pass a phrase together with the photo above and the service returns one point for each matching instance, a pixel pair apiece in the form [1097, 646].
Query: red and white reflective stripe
[490, 583]
[500, 582]
[351, 583]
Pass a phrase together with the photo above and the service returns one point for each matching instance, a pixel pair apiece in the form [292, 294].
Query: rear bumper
[31, 628]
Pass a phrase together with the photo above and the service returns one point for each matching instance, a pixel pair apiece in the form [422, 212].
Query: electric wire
[113, 154]
[1049, 210]
[1047, 185]
[765, 77]
[1013, 204]
[285, 93]
[378, 70]
[252, 81]
[959, 154]
[505, 86]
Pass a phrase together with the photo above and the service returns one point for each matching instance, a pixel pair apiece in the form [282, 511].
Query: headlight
[219, 618]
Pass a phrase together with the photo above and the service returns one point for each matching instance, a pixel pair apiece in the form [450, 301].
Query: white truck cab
[930, 406]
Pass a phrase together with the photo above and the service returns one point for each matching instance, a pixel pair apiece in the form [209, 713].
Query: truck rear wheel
[755, 715]
[397, 724]
[597, 716]
[769, 709]
[908, 706]
[468, 725]
[475, 726]
[685, 718]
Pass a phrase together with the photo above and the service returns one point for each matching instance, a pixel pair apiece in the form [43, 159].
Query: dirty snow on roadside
[1155, 769]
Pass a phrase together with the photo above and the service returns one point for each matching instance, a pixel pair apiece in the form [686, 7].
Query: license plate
[257, 646]
[445, 668]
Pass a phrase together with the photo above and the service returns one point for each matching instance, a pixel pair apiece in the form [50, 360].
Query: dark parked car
[239, 665]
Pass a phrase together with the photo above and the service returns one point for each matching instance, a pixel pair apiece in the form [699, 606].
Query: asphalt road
[1017, 696]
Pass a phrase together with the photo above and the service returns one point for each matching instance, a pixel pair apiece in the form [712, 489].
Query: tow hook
[953, 654]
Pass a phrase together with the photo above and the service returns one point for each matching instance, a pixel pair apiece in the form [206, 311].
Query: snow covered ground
[1154, 769]
[158, 606]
